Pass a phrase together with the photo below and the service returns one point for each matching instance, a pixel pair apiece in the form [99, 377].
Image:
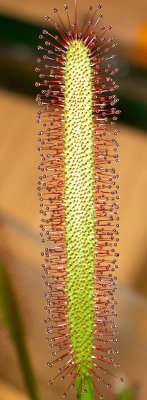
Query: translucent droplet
[49, 365]
[109, 385]
[65, 7]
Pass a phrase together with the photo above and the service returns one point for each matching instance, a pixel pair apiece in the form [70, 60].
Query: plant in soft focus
[78, 199]
[129, 392]
[11, 315]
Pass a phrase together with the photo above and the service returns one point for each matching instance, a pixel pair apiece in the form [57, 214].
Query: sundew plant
[77, 189]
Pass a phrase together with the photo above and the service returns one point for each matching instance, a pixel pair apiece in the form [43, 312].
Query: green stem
[12, 319]
[84, 388]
